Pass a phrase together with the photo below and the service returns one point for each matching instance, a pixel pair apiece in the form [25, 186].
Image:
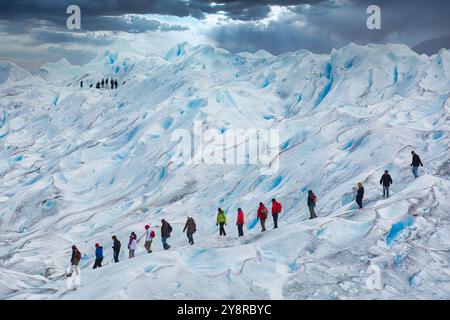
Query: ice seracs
[80, 165]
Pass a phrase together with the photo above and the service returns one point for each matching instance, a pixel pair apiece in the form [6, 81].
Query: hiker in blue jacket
[98, 256]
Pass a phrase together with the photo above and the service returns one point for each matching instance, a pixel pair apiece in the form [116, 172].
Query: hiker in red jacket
[240, 222]
[149, 235]
[276, 210]
[262, 215]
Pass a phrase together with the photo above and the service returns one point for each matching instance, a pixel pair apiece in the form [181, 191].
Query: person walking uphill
[262, 216]
[386, 181]
[116, 249]
[191, 228]
[416, 162]
[311, 202]
[221, 221]
[166, 229]
[240, 222]
[98, 256]
[360, 195]
[132, 243]
[149, 235]
[276, 210]
[74, 261]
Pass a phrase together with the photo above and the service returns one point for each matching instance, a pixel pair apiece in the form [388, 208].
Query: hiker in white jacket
[132, 245]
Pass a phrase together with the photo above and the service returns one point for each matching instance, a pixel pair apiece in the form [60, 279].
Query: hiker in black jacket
[416, 162]
[386, 181]
[166, 229]
[116, 248]
[360, 195]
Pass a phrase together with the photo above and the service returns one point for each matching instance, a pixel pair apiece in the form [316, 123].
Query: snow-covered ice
[79, 165]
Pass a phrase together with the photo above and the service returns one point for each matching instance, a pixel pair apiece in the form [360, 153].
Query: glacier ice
[79, 165]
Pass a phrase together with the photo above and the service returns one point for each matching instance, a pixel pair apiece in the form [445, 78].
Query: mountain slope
[79, 165]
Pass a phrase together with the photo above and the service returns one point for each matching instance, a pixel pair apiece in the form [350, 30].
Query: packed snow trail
[79, 165]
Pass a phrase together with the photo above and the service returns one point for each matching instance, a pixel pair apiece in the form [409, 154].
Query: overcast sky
[33, 32]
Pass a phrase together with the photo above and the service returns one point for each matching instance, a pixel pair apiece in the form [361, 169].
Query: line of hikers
[190, 226]
[105, 83]
[386, 180]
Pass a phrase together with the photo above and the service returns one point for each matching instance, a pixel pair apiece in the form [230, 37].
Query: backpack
[314, 198]
[78, 255]
[264, 213]
[169, 228]
[278, 207]
[152, 234]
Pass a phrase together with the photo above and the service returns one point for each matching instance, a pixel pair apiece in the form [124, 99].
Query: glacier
[79, 165]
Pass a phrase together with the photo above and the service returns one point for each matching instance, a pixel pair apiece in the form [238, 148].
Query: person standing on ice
[98, 256]
[276, 210]
[103, 83]
[190, 228]
[416, 162]
[311, 202]
[240, 222]
[166, 229]
[74, 261]
[360, 195]
[132, 243]
[262, 216]
[81, 84]
[112, 83]
[221, 221]
[386, 181]
[115, 83]
[106, 83]
[97, 85]
[116, 249]
[149, 235]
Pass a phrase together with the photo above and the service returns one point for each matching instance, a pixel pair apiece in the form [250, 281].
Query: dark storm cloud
[334, 24]
[316, 25]
[45, 20]
[132, 24]
[55, 11]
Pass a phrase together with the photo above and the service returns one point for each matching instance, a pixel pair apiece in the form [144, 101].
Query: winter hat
[97, 245]
[147, 227]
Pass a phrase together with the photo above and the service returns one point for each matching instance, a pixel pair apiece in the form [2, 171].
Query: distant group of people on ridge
[221, 221]
[105, 83]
